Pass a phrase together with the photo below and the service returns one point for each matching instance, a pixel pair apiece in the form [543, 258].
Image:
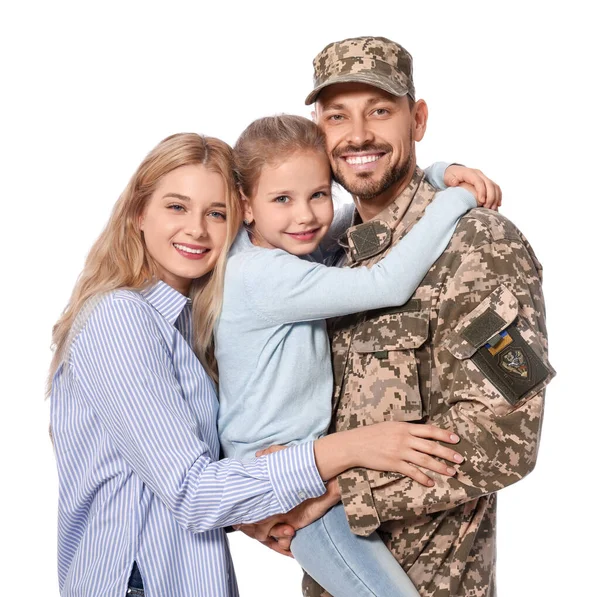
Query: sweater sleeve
[285, 289]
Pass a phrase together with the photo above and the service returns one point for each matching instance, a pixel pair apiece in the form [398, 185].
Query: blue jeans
[136, 584]
[347, 565]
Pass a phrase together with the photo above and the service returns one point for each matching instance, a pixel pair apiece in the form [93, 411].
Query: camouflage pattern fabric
[375, 61]
[467, 353]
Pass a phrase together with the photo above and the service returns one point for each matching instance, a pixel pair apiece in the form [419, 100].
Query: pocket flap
[393, 330]
[491, 316]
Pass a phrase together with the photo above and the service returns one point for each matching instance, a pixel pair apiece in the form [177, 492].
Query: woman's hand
[487, 192]
[277, 532]
[392, 446]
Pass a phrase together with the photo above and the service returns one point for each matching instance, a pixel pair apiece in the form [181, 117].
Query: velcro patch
[513, 368]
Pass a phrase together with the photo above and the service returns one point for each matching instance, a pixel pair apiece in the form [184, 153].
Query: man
[468, 352]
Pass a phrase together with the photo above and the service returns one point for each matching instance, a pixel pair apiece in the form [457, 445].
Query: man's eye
[335, 117]
[281, 199]
[381, 112]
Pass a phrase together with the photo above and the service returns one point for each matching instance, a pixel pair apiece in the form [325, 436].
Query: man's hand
[487, 192]
[277, 532]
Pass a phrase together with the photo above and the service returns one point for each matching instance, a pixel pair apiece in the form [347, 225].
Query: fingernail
[450, 470]
[458, 458]
[430, 483]
[287, 532]
[454, 437]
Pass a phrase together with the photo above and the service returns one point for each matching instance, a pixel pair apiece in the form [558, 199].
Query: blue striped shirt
[133, 417]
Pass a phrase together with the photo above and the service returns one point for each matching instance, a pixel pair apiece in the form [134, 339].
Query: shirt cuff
[465, 197]
[434, 175]
[359, 505]
[294, 475]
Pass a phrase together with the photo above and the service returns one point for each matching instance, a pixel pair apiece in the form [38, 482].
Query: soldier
[468, 352]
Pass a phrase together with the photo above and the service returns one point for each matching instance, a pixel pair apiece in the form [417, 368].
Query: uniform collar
[166, 300]
[365, 240]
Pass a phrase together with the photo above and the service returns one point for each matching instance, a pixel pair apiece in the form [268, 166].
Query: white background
[88, 88]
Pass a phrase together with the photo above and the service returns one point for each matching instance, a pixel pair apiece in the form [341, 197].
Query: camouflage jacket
[468, 352]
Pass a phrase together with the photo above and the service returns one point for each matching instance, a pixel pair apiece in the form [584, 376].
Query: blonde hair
[118, 258]
[271, 140]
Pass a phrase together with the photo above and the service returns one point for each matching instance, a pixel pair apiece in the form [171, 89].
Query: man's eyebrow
[373, 100]
[377, 98]
[177, 196]
[333, 107]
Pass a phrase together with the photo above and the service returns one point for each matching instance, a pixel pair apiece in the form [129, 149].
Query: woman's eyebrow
[177, 196]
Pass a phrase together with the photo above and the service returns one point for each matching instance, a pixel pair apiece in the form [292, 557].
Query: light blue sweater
[275, 377]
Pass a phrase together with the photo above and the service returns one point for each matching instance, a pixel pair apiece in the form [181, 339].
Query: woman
[133, 406]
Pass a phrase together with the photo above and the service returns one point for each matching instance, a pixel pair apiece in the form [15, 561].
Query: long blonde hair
[118, 259]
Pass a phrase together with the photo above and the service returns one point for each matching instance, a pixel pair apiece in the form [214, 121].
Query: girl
[271, 345]
[133, 406]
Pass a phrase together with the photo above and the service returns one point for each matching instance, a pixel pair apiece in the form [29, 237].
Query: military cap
[375, 61]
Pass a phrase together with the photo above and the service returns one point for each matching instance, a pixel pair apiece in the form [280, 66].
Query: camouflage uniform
[466, 353]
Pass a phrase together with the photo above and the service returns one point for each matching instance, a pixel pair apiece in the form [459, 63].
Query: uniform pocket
[500, 351]
[385, 346]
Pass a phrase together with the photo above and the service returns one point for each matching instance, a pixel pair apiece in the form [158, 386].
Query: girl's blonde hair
[271, 140]
[118, 259]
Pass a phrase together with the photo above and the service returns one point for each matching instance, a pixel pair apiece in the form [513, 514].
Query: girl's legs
[347, 565]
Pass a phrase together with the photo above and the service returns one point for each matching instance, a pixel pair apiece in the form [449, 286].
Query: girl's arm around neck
[283, 289]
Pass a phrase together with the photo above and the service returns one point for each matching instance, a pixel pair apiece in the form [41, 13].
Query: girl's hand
[487, 192]
[398, 447]
[269, 450]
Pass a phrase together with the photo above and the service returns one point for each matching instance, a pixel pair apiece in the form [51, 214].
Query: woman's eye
[176, 207]
[218, 215]
[281, 199]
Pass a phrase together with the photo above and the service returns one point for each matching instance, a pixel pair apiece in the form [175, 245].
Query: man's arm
[490, 353]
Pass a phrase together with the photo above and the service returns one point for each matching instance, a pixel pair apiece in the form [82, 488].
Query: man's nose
[359, 133]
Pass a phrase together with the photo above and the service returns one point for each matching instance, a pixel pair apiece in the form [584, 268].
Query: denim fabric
[348, 565]
[135, 580]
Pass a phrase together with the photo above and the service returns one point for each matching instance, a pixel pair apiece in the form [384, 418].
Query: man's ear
[420, 115]
[313, 115]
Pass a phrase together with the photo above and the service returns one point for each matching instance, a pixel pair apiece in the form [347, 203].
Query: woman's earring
[247, 222]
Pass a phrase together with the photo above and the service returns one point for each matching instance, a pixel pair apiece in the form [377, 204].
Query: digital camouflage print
[375, 61]
[468, 353]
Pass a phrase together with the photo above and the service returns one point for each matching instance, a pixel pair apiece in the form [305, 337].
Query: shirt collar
[166, 300]
[365, 240]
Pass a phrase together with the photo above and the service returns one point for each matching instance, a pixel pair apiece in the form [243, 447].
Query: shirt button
[301, 495]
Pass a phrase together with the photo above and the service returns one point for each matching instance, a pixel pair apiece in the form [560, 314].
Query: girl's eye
[319, 195]
[176, 207]
[282, 199]
[218, 215]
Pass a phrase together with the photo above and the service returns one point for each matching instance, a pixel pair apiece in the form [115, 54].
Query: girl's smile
[291, 208]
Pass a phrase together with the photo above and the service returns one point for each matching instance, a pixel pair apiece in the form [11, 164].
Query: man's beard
[364, 186]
